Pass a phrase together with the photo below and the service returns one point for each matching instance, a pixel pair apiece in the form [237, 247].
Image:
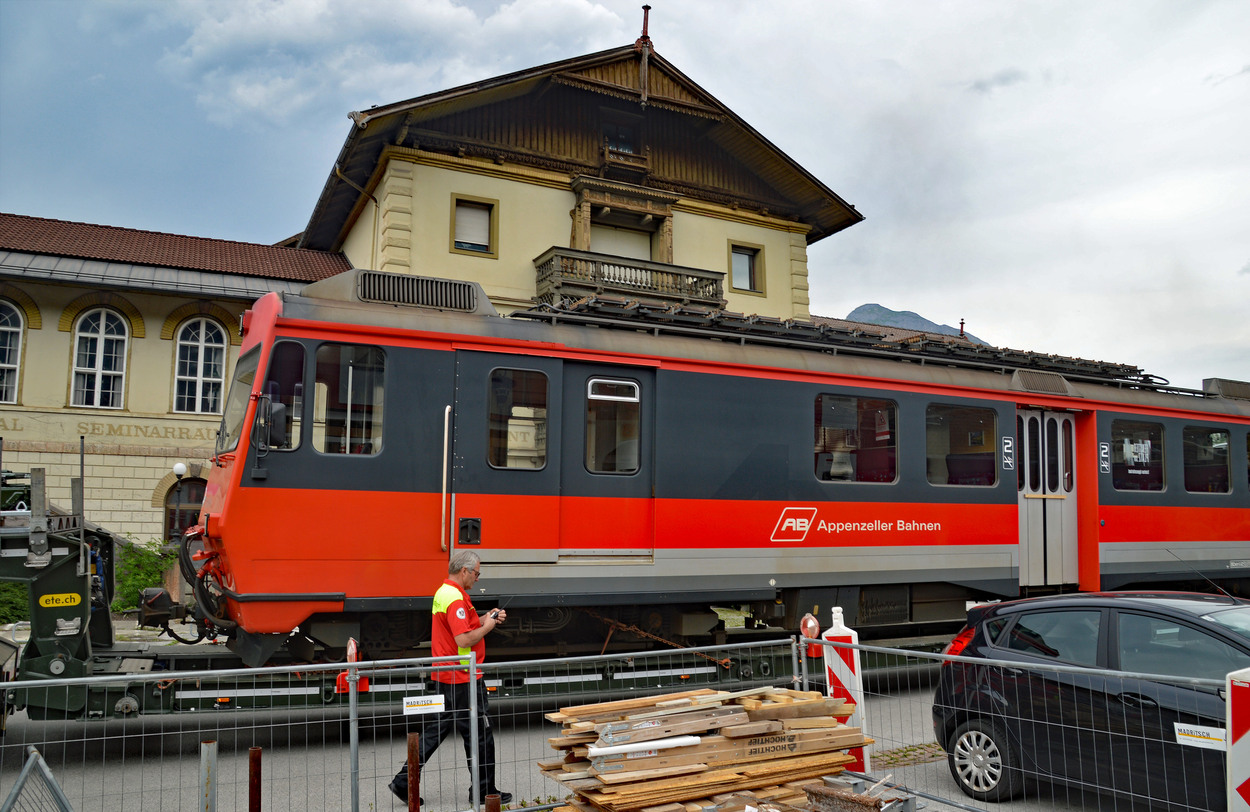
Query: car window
[1068, 635]
[1154, 645]
[994, 629]
[1237, 620]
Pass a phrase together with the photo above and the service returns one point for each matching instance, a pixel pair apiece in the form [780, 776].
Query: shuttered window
[746, 267]
[474, 228]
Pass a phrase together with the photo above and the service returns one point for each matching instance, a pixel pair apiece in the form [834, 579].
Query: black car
[1004, 727]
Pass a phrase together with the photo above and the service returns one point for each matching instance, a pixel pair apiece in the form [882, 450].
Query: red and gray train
[618, 462]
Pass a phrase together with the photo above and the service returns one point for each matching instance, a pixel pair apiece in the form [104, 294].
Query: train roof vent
[1226, 388]
[380, 287]
[422, 291]
[1046, 383]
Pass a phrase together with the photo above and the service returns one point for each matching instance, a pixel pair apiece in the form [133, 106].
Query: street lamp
[180, 470]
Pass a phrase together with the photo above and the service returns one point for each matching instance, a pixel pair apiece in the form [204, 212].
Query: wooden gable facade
[609, 173]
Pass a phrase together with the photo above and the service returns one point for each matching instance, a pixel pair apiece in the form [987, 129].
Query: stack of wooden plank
[688, 751]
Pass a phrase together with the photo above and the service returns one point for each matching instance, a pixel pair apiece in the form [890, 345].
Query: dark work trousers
[456, 713]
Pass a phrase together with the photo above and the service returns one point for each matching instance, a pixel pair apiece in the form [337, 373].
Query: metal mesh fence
[1036, 736]
[137, 741]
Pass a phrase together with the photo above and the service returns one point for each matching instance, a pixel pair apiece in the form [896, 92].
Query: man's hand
[497, 615]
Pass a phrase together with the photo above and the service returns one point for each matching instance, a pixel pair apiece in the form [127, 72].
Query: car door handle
[1138, 701]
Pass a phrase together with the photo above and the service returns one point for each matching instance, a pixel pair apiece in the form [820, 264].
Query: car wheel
[984, 763]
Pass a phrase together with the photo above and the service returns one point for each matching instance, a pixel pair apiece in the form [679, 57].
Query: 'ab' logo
[794, 524]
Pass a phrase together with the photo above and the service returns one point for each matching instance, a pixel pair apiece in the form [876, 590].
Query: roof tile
[36, 235]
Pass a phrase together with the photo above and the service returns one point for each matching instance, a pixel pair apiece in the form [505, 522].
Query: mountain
[876, 314]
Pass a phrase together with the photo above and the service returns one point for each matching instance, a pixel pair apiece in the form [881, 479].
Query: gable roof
[36, 235]
[634, 73]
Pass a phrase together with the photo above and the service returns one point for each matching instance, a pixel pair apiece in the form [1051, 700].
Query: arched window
[10, 351]
[199, 378]
[100, 359]
[182, 506]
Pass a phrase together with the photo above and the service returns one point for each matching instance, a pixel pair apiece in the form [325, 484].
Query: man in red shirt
[457, 630]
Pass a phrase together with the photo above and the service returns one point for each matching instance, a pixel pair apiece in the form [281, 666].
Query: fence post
[253, 779]
[809, 628]
[475, 736]
[208, 775]
[414, 771]
[353, 724]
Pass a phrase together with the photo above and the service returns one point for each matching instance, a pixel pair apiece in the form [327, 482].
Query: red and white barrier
[1237, 685]
[845, 680]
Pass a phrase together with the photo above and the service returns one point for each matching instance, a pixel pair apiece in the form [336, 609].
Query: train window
[961, 443]
[1069, 452]
[612, 413]
[1136, 456]
[348, 396]
[856, 439]
[1035, 454]
[1020, 460]
[236, 400]
[284, 384]
[1206, 460]
[518, 419]
[1052, 455]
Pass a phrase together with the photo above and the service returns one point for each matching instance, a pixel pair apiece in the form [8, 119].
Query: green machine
[67, 565]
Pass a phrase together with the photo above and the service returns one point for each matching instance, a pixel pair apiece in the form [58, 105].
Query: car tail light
[961, 641]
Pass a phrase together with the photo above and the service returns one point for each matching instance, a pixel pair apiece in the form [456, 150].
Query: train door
[607, 510]
[1046, 481]
[504, 464]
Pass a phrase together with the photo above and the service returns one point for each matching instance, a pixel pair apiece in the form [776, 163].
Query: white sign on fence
[432, 703]
[1237, 687]
[1211, 738]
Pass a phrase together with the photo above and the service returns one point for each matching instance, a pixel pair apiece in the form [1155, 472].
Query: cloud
[1003, 78]
[1219, 79]
[1245, 270]
[269, 61]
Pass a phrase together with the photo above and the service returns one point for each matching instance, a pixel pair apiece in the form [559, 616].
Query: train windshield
[236, 400]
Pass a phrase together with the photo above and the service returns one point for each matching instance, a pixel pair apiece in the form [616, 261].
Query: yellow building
[117, 344]
[611, 174]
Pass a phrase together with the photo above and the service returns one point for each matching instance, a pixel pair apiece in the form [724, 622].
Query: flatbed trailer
[156, 678]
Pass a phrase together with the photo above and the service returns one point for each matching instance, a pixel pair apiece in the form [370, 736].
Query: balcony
[625, 164]
[567, 274]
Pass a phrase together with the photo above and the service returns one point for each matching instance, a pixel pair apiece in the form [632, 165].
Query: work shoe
[402, 792]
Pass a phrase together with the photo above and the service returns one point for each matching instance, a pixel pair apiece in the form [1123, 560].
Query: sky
[1066, 176]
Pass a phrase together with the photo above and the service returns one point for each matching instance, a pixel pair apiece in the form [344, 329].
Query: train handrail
[442, 527]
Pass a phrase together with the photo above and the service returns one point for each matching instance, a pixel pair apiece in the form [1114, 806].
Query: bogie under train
[610, 465]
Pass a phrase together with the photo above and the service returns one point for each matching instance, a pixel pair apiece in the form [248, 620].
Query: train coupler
[157, 607]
